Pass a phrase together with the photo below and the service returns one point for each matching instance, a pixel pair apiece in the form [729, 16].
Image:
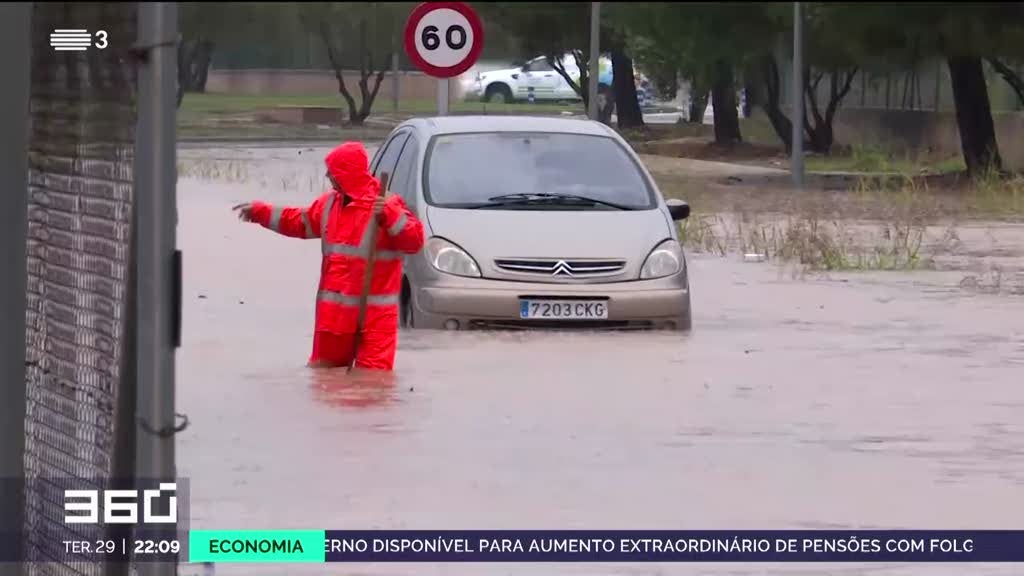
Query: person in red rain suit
[340, 219]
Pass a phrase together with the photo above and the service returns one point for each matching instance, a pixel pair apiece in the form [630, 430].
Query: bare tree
[348, 30]
[820, 134]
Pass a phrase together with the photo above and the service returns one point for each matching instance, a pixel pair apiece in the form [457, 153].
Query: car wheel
[498, 94]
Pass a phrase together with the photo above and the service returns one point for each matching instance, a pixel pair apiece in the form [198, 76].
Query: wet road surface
[873, 400]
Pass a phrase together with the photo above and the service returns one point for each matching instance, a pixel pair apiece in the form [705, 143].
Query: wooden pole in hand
[371, 258]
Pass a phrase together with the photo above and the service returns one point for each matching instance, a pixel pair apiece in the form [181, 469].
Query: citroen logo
[561, 267]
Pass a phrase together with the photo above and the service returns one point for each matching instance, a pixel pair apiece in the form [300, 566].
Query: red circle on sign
[438, 71]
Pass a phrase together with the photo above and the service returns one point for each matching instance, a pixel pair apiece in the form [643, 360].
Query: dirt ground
[832, 401]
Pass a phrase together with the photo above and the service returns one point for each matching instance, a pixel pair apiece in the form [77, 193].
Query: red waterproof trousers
[376, 350]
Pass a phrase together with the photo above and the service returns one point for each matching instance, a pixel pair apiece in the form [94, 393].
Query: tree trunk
[193, 65]
[370, 94]
[698, 103]
[974, 115]
[184, 66]
[750, 98]
[626, 103]
[202, 57]
[365, 65]
[325, 35]
[816, 140]
[820, 133]
[723, 98]
[780, 122]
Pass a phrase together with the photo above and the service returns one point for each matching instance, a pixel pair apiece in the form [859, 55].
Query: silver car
[534, 222]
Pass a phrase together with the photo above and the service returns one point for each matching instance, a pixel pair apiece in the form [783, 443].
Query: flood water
[867, 400]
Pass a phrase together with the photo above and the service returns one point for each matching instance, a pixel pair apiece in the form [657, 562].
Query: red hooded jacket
[342, 229]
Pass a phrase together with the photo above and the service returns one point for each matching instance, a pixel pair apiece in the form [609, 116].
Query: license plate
[563, 309]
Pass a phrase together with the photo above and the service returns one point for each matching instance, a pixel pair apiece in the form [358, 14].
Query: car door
[533, 79]
[548, 80]
[543, 79]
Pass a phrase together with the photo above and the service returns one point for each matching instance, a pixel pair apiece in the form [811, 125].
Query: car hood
[552, 235]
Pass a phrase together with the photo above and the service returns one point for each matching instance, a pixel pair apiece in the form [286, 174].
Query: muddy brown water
[870, 400]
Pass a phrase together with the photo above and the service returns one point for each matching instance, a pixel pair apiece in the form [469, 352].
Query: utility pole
[796, 163]
[595, 57]
[157, 260]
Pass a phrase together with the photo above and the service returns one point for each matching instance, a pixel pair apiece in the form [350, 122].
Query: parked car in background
[534, 222]
[537, 76]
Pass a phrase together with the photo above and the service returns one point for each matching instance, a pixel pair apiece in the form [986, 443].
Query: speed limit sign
[443, 39]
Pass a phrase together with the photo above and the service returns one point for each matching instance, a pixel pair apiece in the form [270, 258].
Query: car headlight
[665, 260]
[451, 259]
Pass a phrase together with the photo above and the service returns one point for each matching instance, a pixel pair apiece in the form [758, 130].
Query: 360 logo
[119, 506]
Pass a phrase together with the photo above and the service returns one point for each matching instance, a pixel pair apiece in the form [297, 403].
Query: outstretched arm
[402, 226]
[288, 221]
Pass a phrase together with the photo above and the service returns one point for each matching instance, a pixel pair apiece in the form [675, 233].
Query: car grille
[574, 268]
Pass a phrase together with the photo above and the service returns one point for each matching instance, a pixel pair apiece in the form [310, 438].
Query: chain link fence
[79, 246]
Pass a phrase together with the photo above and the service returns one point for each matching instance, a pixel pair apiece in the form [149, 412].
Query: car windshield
[511, 170]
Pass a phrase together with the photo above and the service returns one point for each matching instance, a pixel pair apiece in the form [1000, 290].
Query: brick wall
[411, 85]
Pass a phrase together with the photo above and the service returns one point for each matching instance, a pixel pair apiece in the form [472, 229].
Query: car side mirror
[678, 209]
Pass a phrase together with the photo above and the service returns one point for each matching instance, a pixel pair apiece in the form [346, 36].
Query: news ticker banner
[147, 521]
[606, 546]
[614, 546]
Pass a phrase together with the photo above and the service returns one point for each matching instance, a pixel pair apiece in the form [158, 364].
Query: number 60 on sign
[443, 39]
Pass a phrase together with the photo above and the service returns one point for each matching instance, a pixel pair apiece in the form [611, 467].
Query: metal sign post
[442, 96]
[595, 59]
[443, 39]
[158, 268]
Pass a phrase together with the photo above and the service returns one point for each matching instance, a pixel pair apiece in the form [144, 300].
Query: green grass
[758, 130]
[863, 159]
[950, 165]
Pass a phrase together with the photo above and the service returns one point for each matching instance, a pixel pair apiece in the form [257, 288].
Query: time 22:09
[157, 546]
